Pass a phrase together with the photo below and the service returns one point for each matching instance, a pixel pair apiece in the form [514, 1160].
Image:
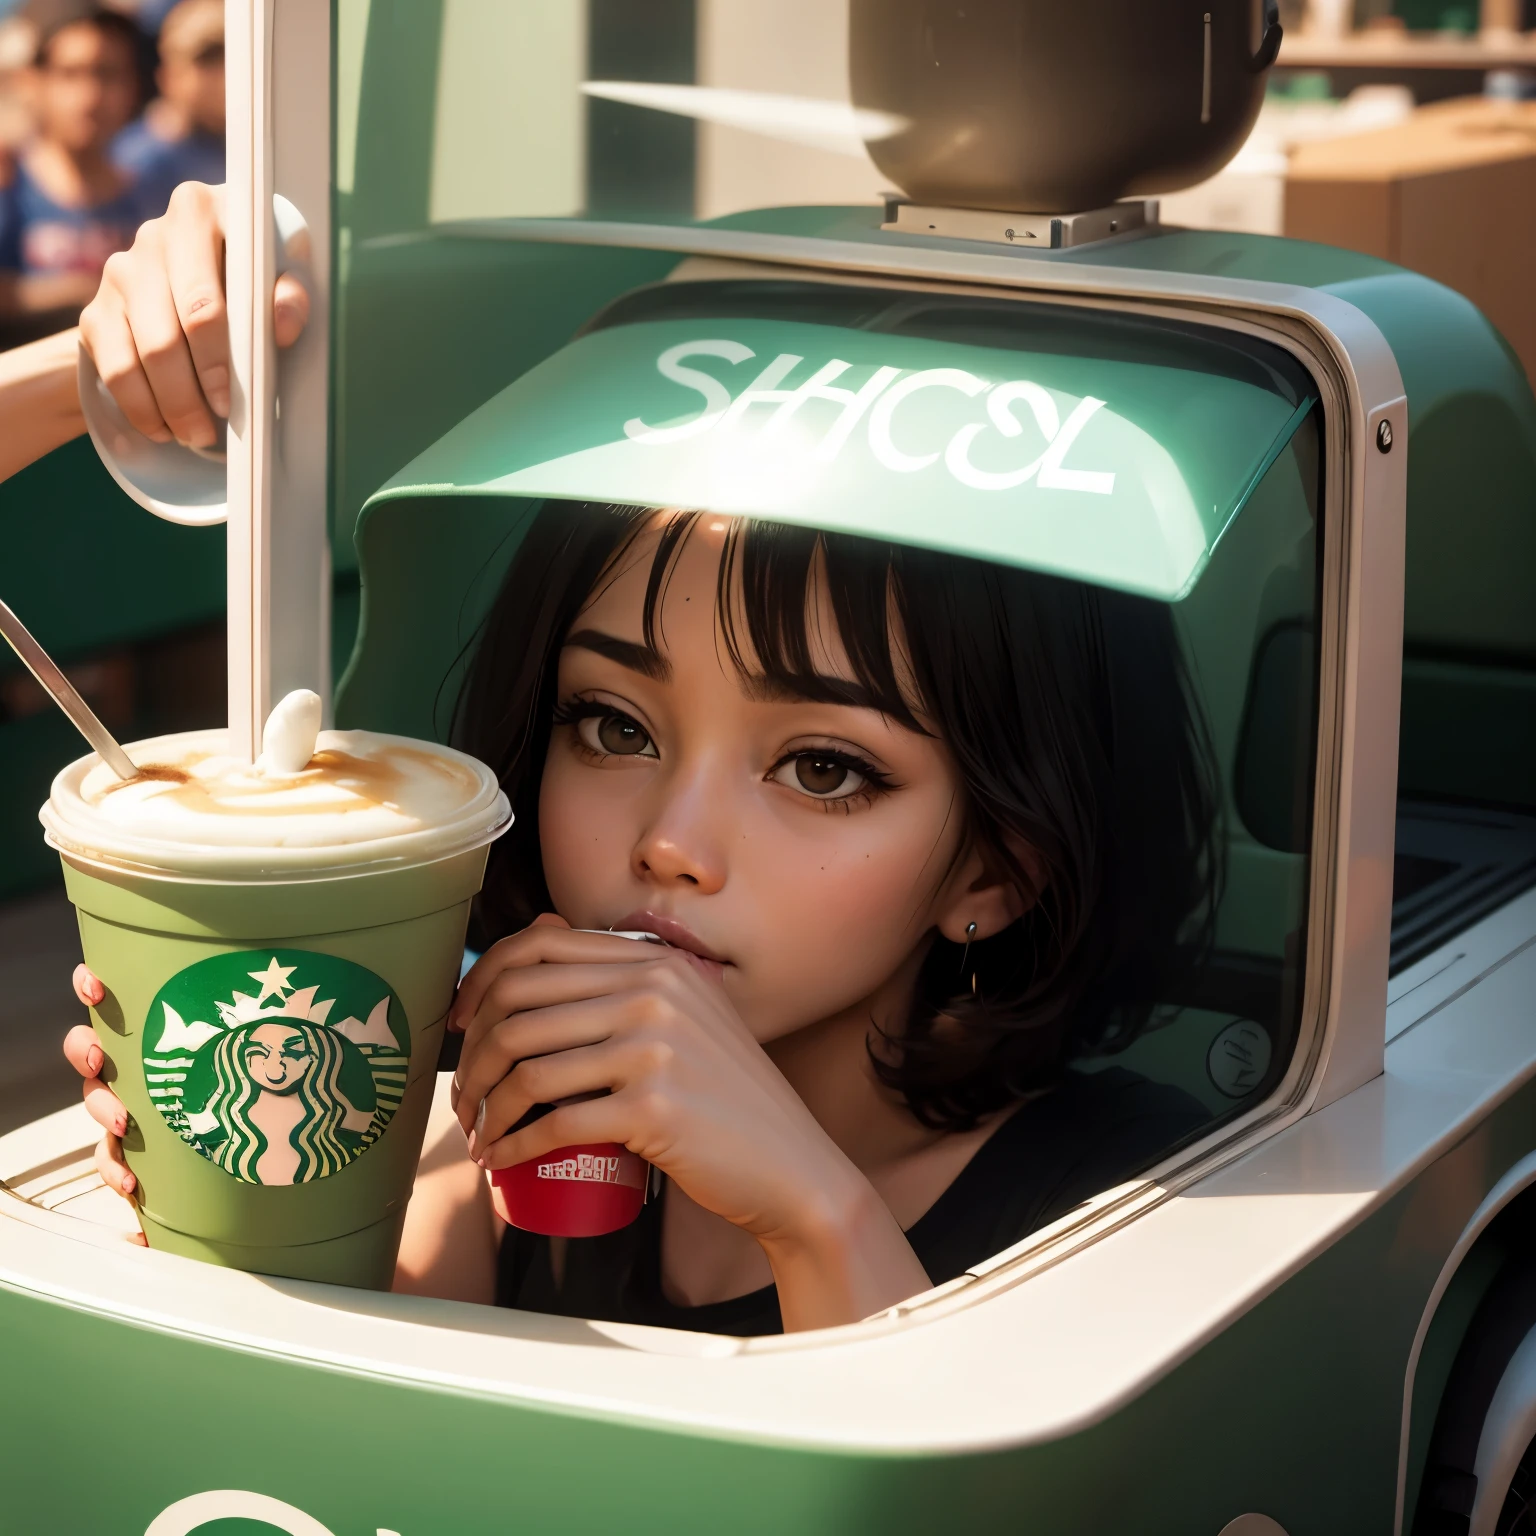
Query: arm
[451, 1233]
[555, 1017]
[38, 404]
[844, 1259]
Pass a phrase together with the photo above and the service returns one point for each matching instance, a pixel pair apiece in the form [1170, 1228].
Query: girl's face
[277, 1057]
[803, 852]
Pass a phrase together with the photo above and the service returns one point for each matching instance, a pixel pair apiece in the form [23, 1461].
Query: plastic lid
[366, 801]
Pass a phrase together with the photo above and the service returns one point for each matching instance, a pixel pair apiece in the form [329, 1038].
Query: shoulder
[1099, 1128]
[1091, 1131]
[1106, 1117]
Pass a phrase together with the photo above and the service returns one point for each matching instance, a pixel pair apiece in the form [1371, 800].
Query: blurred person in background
[148, 13]
[180, 137]
[66, 206]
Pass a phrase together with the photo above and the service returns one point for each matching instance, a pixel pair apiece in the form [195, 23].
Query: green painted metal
[1293, 1409]
[89, 572]
[1118, 471]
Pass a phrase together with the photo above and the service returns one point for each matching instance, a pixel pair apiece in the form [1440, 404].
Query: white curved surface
[186, 1515]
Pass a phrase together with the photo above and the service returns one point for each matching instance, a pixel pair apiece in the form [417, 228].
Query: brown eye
[821, 775]
[621, 737]
[615, 735]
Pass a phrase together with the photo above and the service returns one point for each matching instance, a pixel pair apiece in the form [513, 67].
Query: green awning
[1124, 472]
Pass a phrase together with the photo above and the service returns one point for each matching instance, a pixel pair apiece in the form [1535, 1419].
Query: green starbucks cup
[278, 952]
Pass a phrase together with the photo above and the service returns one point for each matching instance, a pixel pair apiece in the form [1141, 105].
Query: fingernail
[216, 389]
[481, 1162]
[474, 1151]
[94, 1060]
[129, 1183]
[120, 1126]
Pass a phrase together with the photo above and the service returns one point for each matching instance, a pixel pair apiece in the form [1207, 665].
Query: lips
[675, 933]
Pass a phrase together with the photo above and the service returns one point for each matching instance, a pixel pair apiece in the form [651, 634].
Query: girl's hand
[84, 1053]
[158, 328]
[550, 1014]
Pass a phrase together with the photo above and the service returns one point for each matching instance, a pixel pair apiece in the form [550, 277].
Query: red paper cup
[573, 1191]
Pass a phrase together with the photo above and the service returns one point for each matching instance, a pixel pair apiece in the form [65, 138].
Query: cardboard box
[1449, 192]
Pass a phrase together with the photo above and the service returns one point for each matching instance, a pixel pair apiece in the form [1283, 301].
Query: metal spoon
[43, 667]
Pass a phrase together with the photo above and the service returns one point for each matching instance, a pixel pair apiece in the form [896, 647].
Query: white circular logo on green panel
[281, 1066]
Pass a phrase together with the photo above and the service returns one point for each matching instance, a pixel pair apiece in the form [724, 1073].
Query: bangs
[775, 589]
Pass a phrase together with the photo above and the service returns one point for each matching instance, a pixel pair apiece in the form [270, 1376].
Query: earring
[970, 933]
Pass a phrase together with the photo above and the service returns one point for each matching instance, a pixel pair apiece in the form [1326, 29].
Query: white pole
[278, 84]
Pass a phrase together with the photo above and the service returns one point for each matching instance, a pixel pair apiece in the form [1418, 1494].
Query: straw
[63, 693]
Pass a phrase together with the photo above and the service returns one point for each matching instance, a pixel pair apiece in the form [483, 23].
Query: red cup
[573, 1191]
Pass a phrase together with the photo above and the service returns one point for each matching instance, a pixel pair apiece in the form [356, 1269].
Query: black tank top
[1092, 1132]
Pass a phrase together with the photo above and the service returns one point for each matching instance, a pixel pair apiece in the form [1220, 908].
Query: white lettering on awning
[880, 397]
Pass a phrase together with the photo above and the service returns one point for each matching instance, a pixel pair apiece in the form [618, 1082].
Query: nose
[683, 843]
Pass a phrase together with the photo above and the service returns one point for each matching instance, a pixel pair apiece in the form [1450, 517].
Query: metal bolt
[1384, 437]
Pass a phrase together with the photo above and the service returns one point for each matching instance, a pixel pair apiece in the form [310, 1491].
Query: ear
[985, 890]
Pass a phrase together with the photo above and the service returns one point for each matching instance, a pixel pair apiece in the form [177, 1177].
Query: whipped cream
[358, 800]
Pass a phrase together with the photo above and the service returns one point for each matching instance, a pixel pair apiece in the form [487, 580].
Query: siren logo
[880, 399]
[281, 1066]
[186, 1516]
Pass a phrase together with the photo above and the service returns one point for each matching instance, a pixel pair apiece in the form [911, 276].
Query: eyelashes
[605, 731]
[832, 777]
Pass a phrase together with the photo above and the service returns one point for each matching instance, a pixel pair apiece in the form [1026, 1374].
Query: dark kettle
[1046, 106]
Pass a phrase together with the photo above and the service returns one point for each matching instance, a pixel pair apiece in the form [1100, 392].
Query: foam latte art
[361, 799]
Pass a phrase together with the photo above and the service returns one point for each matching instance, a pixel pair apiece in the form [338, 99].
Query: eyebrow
[637, 658]
[803, 688]
[812, 688]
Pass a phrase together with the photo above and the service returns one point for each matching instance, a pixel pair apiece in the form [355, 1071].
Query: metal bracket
[1031, 231]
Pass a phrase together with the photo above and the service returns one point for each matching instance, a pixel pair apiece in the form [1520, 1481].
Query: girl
[920, 833]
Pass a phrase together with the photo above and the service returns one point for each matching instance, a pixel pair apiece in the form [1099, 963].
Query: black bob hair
[1066, 707]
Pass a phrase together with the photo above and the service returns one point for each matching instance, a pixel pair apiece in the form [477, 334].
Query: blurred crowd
[104, 109]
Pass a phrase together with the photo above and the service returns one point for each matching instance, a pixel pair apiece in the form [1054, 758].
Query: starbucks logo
[281, 1066]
